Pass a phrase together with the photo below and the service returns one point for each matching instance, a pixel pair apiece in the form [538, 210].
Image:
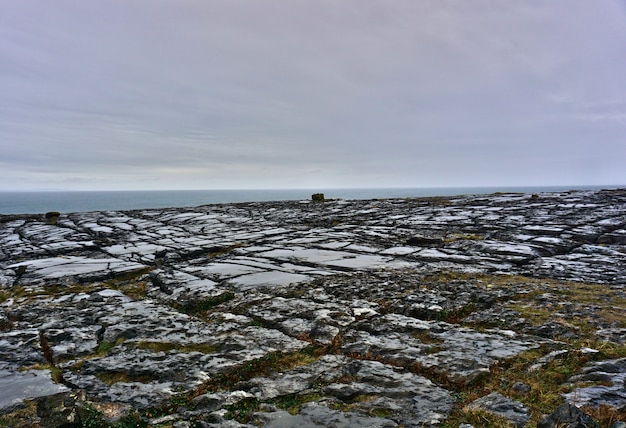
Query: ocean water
[81, 201]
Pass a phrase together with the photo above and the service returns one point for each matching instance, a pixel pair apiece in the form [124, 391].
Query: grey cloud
[245, 94]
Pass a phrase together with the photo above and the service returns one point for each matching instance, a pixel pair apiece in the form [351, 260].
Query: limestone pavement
[357, 313]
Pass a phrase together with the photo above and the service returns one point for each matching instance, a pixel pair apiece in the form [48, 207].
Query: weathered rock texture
[400, 312]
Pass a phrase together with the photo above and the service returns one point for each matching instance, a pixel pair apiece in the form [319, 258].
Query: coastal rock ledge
[488, 310]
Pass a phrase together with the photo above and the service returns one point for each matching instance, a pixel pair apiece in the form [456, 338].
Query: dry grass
[541, 301]
[463, 237]
[25, 417]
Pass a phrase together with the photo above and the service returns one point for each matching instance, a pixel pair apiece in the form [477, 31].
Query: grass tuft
[200, 306]
[105, 346]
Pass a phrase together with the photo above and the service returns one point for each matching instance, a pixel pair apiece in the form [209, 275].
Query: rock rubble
[396, 312]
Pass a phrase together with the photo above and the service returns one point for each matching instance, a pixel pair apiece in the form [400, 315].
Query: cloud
[146, 94]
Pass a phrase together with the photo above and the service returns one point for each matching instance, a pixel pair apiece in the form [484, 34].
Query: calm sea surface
[41, 202]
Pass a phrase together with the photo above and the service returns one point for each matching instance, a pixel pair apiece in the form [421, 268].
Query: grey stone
[567, 415]
[612, 392]
[16, 386]
[504, 407]
[313, 415]
[521, 388]
[208, 402]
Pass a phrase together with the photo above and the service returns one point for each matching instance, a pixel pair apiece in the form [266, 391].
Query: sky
[208, 94]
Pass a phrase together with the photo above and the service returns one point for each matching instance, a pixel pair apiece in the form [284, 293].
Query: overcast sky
[204, 94]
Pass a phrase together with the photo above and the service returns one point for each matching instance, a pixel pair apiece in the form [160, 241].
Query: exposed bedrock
[398, 312]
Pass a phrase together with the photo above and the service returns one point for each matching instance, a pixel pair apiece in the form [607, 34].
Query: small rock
[208, 402]
[612, 373]
[504, 407]
[521, 389]
[569, 416]
[543, 361]
[317, 197]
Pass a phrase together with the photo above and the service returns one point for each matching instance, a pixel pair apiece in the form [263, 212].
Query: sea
[33, 202]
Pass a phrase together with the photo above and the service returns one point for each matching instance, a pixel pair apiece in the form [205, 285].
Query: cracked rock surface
[396, 312]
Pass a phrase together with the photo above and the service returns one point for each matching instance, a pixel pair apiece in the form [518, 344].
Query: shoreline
[81, 201]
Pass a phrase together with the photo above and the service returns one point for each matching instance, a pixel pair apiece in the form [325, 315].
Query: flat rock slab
[79, 268]
[368, 387]
[16, 386]
[511, 410]
[612, 394]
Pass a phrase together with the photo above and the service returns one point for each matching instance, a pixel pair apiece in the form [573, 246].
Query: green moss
[199, 306]
[380, 412]
[104, 347]
[242, 410]
[293, 402]
[56, 374]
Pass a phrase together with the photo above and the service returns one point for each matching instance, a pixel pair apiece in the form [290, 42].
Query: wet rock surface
[568, 415]
[399, 312]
